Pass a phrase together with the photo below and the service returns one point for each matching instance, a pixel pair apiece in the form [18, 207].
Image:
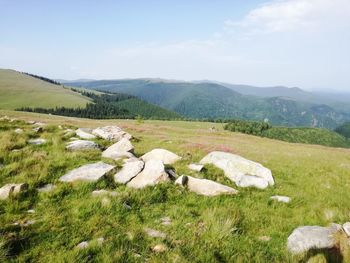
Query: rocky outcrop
[236, 168]
[87, 173]
[9, 190]
[131, 168]
[163, 155]
[85, 133]
[111, 133]
[81, 145]
[204, 186]
[152, 174]
[305, 238]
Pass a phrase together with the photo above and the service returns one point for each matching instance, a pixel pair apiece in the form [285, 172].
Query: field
[203, 229]
[19, 90]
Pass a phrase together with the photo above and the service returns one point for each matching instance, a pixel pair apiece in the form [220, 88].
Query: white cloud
[293, 15]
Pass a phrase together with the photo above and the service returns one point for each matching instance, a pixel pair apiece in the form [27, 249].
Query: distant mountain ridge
[209, 99]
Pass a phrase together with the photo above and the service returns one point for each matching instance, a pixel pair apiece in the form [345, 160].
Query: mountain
[21, 90]
[288, 107]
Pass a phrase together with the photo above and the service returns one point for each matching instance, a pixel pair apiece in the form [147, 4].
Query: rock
[103, 192]
[37, 141]
[129, 171]
[18, 130]
[5, 118]
[252, 181]
[31, 211]
[87, 173]
[264, 238]
[73, 139]
[85, 133]
[119, 150]
[30, 122]
[280, 198]
[81, 145]
[111, 133]
[172, 174]
[154, 233]
[40, 124]
[305, 238]
[165, 221]
[9, 190]
[69, 132]
[83, 245]
[46, 188]
[196, 167]
[346, 228]
[204, 186]
[235, 167]
[38, 129]
[165, 156]
[160, 248]
[152, 174]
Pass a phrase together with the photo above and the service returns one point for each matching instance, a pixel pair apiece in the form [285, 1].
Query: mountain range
[216, 100]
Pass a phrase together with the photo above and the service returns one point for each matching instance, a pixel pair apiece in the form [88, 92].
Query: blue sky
[300, 43]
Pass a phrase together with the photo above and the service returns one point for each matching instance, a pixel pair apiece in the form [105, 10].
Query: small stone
[38, 129]
[9, 190]
[19, 131]
[154, 233]
[103, 192]
[281, 198]
[160, 248]
[346, 228]
[31, 211]
[46, 188]
[82, 245]
[37, 141]
[196, 167]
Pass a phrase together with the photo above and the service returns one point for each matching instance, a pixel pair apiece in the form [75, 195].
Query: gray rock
[119, 150]
[163, 155]
[159, 248]
[85, 133]
[281, 198]
[47, 188]
[252, 181]
[204, 186]
[103, 192]
[152, 174]
[346, 228]
[129, 171]
[81, 145]
[18, 131]
[9, 190]
[83, 245]
[196, 167]
[235, 167]
[87, 173]
[154, 233]
[305, 238]
[111, 133]
[38, 129]
[38, 141]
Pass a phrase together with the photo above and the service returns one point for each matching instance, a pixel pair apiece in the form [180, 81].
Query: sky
[295, 43]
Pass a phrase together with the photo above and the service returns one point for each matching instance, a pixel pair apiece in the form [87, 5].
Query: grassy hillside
[20, 90]
[211, 100]
[203, 229]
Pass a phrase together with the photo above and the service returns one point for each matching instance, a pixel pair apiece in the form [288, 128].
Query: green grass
[20, 90]
[203, 229]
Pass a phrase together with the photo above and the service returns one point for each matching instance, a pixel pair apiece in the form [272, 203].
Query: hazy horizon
[292, 43]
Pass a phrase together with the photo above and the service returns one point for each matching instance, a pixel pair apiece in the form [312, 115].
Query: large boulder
[11, 190]
[122, 148]
[111, 133]
[130, 169]
[235, 167]
[305, 238]
[87, 173]
[163, 155]
[252, 181]
[204, 186]
[81, 145]
[85, 133]
[152, 174]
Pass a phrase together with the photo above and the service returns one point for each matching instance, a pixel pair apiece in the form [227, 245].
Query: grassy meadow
[203, 229]
[20, 90]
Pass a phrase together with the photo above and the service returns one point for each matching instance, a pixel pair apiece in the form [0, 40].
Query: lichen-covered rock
[305, 238]
[111, 133]
[81, 145]
[204, 186]
[87, 173]
[129, 171]
[152, 174]
[235, 167]
[163, 155]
